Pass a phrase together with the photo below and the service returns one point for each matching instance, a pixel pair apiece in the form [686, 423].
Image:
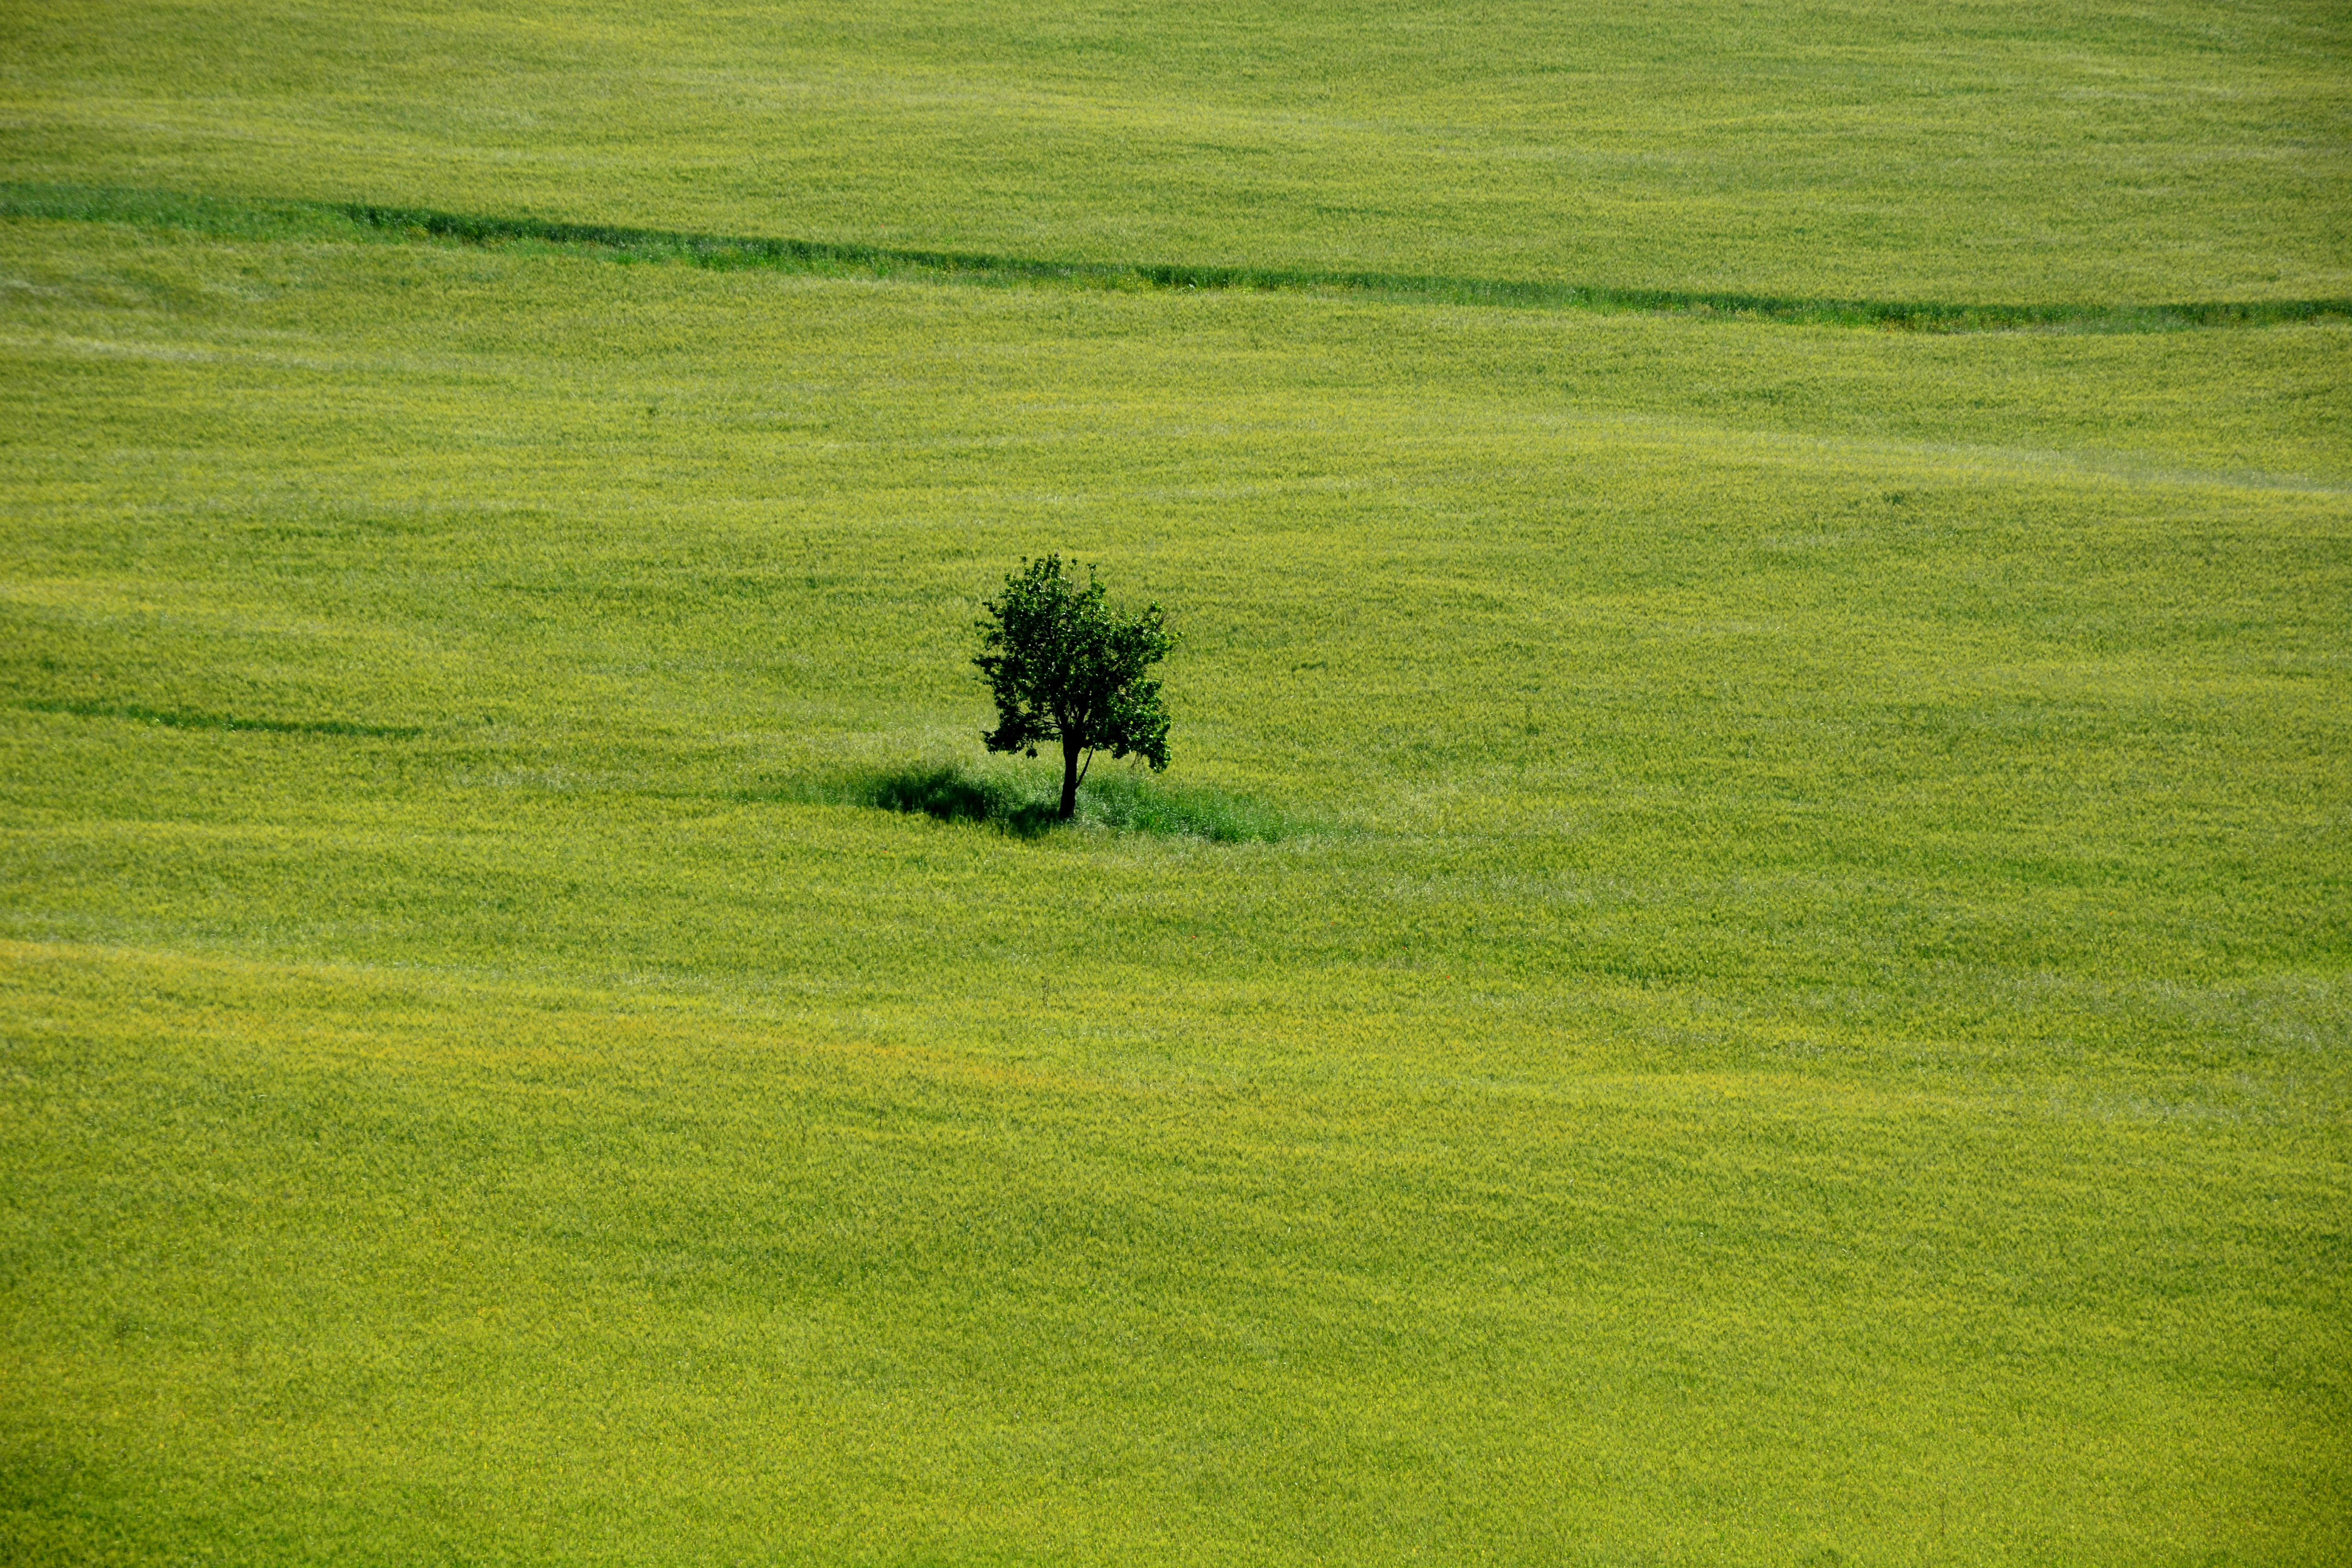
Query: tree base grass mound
[1117, 800]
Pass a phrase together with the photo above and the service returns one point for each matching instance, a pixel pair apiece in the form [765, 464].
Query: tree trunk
[1069, 780]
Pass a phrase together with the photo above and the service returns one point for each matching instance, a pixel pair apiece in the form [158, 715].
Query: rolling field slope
[1777, 992]
[1986, 151]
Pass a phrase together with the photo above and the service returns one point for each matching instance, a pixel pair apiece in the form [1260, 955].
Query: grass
[181, 719]
[1122, 800]
[284, 219]
[2115, 153]
[1129, 800]
[543, 1274]
[1744, 959]
[1811, 1023]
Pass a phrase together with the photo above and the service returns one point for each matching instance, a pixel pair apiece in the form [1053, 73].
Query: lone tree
[1064, 665]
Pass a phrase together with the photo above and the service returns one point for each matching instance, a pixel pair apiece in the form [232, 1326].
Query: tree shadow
[1120, 800]
[950, 794]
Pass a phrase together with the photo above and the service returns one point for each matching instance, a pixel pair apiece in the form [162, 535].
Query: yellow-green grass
[1992, 152]
[187, 212]
[1806, 1012]
[333, 1263]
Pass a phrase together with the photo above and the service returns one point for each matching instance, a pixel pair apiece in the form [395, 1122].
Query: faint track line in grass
[288, 219]
[186, 719]
[1804, 447]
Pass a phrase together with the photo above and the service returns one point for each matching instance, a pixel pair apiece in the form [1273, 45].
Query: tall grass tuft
[1128, 801]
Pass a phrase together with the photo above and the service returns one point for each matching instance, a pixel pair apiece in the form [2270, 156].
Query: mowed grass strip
[317, 220]
[320, 1263]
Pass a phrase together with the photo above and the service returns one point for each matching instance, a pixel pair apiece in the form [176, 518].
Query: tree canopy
[1066, 669]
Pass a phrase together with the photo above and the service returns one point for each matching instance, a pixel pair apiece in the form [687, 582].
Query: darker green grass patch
[617, 242]
[1114, 799]
[182, 210]
[186, 719]
[730, 252]
[949, 794]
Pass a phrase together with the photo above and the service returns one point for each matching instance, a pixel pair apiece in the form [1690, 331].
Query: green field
[1983, 152]
[1779, 984]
